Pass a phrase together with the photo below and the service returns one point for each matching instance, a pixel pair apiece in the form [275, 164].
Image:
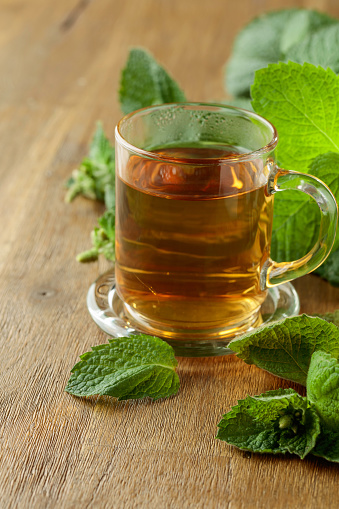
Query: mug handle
[284, 180]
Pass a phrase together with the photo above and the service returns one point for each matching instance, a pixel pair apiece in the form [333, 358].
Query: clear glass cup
[195, 186]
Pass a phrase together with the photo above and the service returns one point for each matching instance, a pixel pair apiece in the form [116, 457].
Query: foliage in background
[279, 36]
[103, 239]
[145, 83]
[94, 178]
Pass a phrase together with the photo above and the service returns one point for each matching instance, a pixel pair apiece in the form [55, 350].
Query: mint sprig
[126, 368]
[275, 422]
[283, 421]
[103, 239]
[94, 178]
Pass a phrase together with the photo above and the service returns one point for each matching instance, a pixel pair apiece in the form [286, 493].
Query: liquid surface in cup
[191, 242]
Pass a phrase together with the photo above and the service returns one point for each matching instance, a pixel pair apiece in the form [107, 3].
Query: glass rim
[246, 156]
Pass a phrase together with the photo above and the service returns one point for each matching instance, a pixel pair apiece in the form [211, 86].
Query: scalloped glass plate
[107, 310]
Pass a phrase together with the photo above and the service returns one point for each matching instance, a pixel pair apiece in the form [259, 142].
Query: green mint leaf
[296, 221]
[331, 317]
[323, 388]
[285, 347]
[302, 101]
[145, 83]
[103, 239]
[274, 422]
[254, 47]
[96, 172]
[302, 25]
[267, 39]
[319, 48]
[327, 445]
[127, 368]
[329, 270]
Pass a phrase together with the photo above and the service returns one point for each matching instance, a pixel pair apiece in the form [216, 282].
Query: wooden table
[60, 65]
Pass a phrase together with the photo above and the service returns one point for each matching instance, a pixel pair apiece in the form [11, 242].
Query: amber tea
[192, 238]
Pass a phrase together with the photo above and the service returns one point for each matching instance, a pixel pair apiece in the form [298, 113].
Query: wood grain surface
[59, 73]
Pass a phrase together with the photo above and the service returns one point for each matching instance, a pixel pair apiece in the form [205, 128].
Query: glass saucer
[106, 309]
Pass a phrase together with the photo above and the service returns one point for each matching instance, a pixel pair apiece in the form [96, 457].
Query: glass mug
[195, 185]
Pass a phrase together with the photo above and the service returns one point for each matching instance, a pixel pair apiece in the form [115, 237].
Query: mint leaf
[126, 368]
[254, 47]
[327, 445]
[268, 39]
[319, 48]
[274, 422]
[302, 101]
[145, 83]
[296, 216]
[285, 347]
[103, 239]
[323, 388]
[94, 178]
[304, 24]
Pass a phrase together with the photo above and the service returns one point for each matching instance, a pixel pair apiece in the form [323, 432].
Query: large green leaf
[285, 348]
[302, 101]
[126, 368]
